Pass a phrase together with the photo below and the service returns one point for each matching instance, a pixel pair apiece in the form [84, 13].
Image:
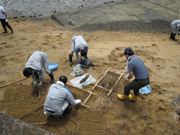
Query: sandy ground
[150, 114]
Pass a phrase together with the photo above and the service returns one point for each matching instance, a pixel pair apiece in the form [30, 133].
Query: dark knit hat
[27, 72]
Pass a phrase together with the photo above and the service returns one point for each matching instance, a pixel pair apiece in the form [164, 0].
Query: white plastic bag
[77, 71]
[76, 81]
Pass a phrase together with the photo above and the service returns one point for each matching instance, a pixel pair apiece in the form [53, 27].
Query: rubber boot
[52, 78]
[122, 96]
[4, 32]
[173, 37]
[12, 31]
[70, 60]
[132, 97]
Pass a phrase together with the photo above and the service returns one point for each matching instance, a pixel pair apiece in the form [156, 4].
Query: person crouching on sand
[135, 68]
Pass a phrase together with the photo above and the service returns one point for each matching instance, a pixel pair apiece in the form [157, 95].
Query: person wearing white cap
[59, 99]
[175, 25]
[4, 20]
[135, 68]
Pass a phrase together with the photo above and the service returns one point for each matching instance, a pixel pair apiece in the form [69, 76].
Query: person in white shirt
[4, 20]
[59, 99]
[175, 25]
[78, 44]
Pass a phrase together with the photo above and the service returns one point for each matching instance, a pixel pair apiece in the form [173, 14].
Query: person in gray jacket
[59, 98]
[34, 65]
[4, 20]
[78, 44]
[175, 25]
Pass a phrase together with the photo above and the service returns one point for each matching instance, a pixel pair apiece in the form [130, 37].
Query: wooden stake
[14, 82]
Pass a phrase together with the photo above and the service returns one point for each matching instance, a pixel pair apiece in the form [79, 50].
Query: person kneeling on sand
[34, 66]
[175, 25]
[78, 44]
[59, 98]
[135, 68]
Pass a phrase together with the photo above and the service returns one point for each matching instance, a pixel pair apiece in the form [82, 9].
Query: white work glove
[6, 20]
[127, 76]
[78, 101]
[126, 67]
[40, 84]
[35, 83]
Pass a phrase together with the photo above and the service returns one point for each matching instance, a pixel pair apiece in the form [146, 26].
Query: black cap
[83, 52]
[63, 79]
[127, 50]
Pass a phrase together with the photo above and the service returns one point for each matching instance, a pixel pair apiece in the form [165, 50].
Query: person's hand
[40, 84]
[35, 83]
[127, 76]
[126, 67]
[6, 20]
[78, 101]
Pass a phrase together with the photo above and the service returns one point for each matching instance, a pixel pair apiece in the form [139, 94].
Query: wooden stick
[41, 123]
[101, 78]
[87, 99]
[86, 106]
[55, 131]
[102, 88]
[115, 83]
[14, 82]
[114, 73]
[83, 90]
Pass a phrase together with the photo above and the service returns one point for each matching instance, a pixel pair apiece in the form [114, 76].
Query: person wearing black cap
[34, 66]
[135, 68]
[78, 44]
[59, 99]
[175, 25]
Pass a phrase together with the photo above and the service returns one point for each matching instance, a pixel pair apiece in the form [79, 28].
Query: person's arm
[5, 14]
[178, 27]
[45, 64]
[77, 56]
[72, 46]
[130, 75]
[130, 71]
[71, 99]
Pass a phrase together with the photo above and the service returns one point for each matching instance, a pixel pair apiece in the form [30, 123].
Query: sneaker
[4, 32]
